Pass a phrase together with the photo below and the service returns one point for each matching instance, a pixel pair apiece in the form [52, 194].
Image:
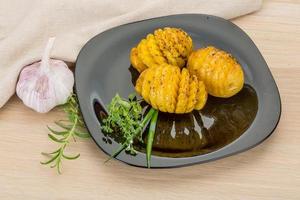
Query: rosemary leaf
[81, 134]
[57, 132]
[51, 160]
[60, 124]
[71, 157]
[55, 139]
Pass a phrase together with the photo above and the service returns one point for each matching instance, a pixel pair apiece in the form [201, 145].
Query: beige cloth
[26, 25]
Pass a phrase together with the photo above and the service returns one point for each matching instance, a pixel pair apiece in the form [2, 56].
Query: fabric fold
[25, 26]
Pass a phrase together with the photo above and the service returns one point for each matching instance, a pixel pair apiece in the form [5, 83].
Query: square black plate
[102, 71]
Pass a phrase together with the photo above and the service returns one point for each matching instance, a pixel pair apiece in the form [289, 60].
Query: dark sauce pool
[218, 124]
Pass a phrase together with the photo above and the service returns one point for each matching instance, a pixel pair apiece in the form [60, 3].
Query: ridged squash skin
[164, 46]
[221, 73]
[170, 89]
[135, 61]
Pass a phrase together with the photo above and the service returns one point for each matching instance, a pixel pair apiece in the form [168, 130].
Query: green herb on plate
[126, 117]
[150, 138]
[71, 128]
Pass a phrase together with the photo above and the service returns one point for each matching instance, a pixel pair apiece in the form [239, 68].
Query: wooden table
[269, 171]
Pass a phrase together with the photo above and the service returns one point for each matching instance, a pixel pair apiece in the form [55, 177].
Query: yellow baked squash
[167, 45]
[221, 73]
[170, 89]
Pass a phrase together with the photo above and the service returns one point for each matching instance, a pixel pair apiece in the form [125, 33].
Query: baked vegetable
[168, 45]
[220, 72]
[170, 89]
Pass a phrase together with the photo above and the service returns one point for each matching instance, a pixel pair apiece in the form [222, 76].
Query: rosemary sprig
[71, 128]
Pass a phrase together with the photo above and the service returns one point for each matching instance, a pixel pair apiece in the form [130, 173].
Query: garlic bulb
[45, 84]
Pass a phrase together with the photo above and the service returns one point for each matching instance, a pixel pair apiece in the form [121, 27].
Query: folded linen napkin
[25, 26]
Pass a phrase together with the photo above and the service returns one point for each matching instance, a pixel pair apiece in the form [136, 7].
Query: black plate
[102, 71]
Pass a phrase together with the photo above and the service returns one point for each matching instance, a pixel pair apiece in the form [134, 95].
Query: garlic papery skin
[45, 84]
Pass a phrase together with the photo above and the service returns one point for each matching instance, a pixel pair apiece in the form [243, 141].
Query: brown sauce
[219, 123]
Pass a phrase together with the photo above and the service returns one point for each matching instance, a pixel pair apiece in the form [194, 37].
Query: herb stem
[148, 117]
[150, 137]
[115, 154]
[73, 128]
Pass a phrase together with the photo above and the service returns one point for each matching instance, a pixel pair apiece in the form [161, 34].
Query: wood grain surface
[268, 171]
